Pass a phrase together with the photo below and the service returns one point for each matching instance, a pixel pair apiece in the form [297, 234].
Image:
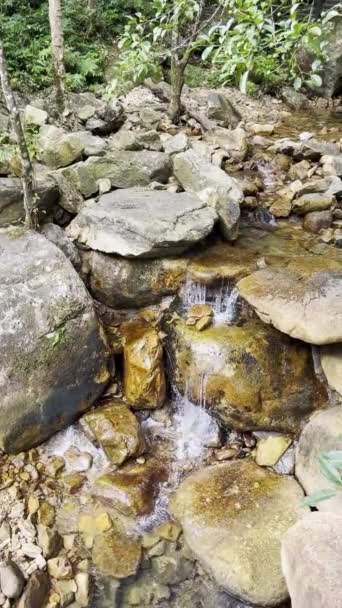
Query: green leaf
[315, 30]
[207, 52]
[315, 499]
[243, 82]
[329, 471]
[297, 83]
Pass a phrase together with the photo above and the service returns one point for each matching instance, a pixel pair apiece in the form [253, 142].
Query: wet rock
[294, 99]
[120, 223]
[200, 316]
[54, 365]
[115, 428]
[11, 579]
[331, 361]
[116, 554]
[74, 482]
[123, 283]
[232, 514]
[144, 377]
[172, 569]
[221, 109]
[35, 116]
[147, 590]
[125, 169]
[311, 560]
[133, 489]
[56, 235]
[233, 141]
[220, 263]
[320, 435]
[301, 299]
[213, 186]
[59, 568]
[59, 148]
[46, 194]
[317, 221]
[36, 591]
[313, 202]
[271, 449]
[250, 376]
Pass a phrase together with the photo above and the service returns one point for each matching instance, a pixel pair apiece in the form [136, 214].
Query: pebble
[59, 568]
[11, 580]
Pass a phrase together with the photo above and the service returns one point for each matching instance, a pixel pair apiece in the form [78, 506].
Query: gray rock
[11, 580]
[56, 235]
[137, 140]
[176, 143]
[11, 199]
[294, 99]
[212, 185]
[54, 360]
[93, 145]
[320, 435]
[312, 561]
[314, 149]
[70, 199]
[233, 141]
[316, 201]
[221, 109]
[58, 148]
[142, 223]
[35, 116]
[125, 169]
[330, 185]
[121, 283]
[332, 72]
[332, 165]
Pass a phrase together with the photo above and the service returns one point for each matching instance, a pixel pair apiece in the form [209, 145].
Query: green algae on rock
[234, 516]
[251, 376]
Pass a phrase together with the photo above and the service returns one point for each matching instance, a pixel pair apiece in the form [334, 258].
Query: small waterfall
[224, 300]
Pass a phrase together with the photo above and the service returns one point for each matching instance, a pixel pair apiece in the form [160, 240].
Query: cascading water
[224, 300]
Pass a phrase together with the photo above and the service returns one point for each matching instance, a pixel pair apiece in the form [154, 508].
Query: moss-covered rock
[234, 516]
[115, 428]
[250, 376]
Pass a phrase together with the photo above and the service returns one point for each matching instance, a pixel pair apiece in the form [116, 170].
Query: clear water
[224, 300]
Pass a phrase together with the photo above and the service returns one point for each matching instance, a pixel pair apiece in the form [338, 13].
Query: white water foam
[223, 299]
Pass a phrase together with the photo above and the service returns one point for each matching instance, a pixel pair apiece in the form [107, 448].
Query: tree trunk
[92, 5]
[26, 166]
[56, 27]
[177, 84]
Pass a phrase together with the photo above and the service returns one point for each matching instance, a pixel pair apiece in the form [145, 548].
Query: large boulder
[301, 298]
[144, 376]
[332, 73]
[56, 235]
[135, 223]
[124, 169]
[233, 141]
[213, 186]
[58, 148]
[234, 517]
[221, 109]
[46, 194]
[320, 435]
[312, 561]
[250, 376]
[54, 359]
[129, 283]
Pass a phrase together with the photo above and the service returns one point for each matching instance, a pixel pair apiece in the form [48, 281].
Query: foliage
[24, 30]
[331, 467]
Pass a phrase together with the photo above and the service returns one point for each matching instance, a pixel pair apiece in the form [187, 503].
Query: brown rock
[317, 221]
[144, 378]
[117, 555]
[36, 591]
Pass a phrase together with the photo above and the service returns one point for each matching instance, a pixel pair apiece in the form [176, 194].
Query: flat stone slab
[134, 223]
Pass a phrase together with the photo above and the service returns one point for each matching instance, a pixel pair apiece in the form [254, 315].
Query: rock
[36, 591]
[234, 141]
[147, 591]
[317, 221]
[232, 514]
[56, 235]
[93, 145]
[66, 591]
[172, 569]
[301, 299]
[104, 185]
[11, 580]
[90, 525]
[315, 149]
[46, 195]
[332, 165]
[282, 206]
[70, 200]
[83, 588]
[294, 99]
[47, 513]
[134, 489]
[254, 377]
[128, 283]
[144, 377]
[116, 554]
[176, 144]
[49, 541]
[330, 185]
[271, 449]
[54, 364]
[311, 561]
[59, 568]
[331, 361]
[74, 482]
[222, 262]
[221, 109]
[332, 69]
[137, 140]
[213, 186]
[320, 435]
[120, 223]
[35, 117]
[299, 170]
[262, 129]
[107, 118]
[124, 169]
[116, 430]
[59, 148]
[313, 202]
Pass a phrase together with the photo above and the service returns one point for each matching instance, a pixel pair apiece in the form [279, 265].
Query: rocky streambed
[171, 357]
